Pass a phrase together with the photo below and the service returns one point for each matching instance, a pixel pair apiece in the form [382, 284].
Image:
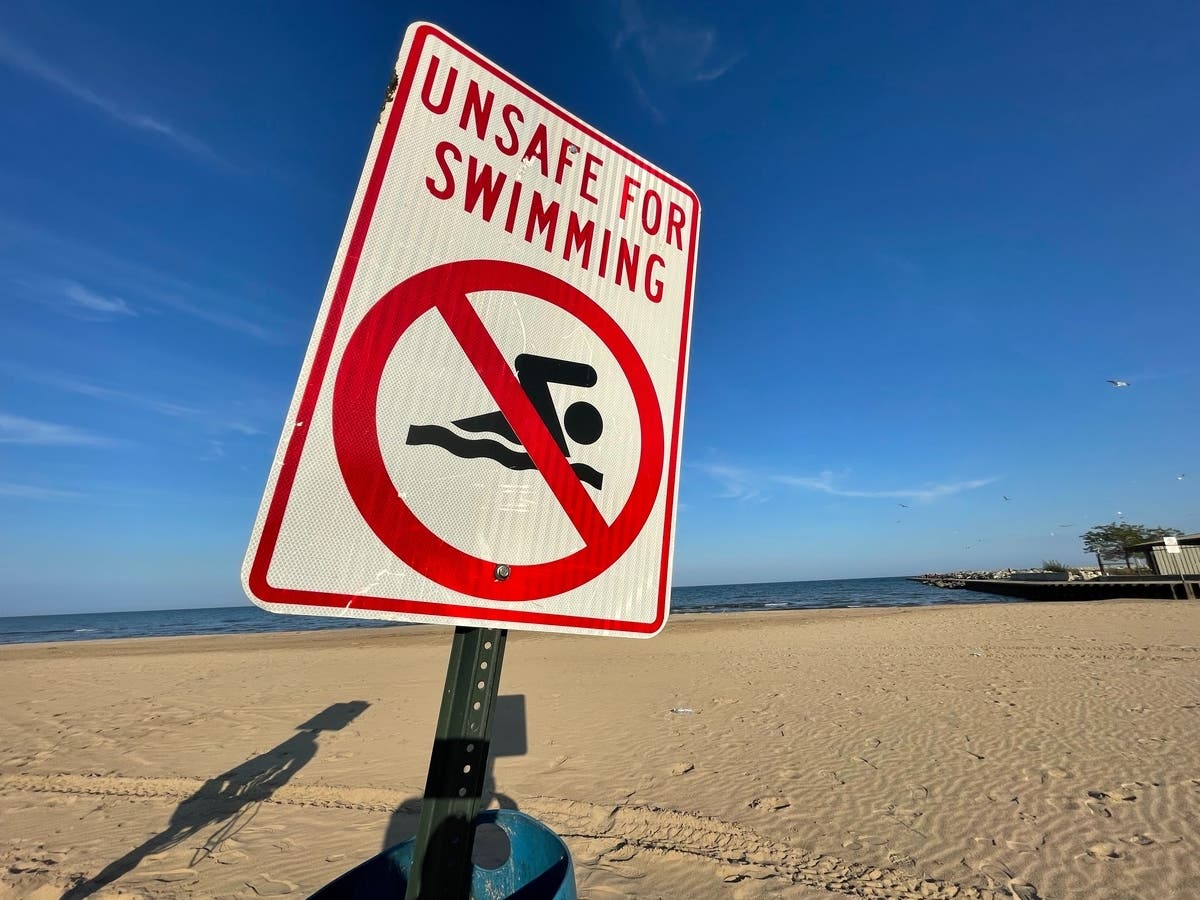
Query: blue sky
[930, 234]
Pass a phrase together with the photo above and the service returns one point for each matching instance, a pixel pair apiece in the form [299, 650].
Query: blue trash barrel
[538, 867]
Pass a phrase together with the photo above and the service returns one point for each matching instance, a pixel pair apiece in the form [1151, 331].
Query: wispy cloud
[19, 430]
[657, 54]
[826, 484]
[737, 483]
[210, 419]
[227, 320]
[86, 388]
[34, 492]
[30, 63]
[94, 304]
[153, 288]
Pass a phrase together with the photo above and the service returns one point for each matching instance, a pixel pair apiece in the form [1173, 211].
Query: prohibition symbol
[446, 288]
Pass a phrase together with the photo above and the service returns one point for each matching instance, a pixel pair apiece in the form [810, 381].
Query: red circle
[356, 434]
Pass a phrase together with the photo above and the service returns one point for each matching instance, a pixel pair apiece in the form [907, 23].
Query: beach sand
[1048, 750]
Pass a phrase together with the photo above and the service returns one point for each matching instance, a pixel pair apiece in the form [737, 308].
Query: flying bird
[1115, 383]
[1181, 476]
[1006, 497]
[905, 505]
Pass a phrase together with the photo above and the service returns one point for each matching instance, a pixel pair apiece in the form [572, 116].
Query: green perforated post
[441, 866]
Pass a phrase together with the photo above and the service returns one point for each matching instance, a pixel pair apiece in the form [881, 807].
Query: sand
[1028, 750]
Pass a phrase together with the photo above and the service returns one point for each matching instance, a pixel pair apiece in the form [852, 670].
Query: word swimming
[627, 259]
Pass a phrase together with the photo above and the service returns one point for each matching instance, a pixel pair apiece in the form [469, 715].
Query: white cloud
[211, 419]
[736, 483]
[657, 53]
[25, 60]
[33, 492]
[19, 430]
[94, 303]
[155, 289]
[744, 484]
[825, 483]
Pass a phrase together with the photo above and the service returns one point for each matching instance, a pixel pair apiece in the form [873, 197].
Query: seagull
[1118, 384]
[1006, 497]
[1068, 525]
[905, 505]
[1181, 476]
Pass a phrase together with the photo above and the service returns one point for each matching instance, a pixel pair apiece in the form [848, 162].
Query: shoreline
[381, 630]
[338, 624]
[944, 751]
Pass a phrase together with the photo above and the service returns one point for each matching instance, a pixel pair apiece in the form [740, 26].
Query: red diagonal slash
[470, 332]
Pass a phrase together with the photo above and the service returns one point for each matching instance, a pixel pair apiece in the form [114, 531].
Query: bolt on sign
[486, 428]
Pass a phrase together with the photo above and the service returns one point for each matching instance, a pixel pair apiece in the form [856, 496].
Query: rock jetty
[959, 579]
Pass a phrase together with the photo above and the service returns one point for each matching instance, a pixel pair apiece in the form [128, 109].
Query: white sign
[1172, 544]
[486, 428]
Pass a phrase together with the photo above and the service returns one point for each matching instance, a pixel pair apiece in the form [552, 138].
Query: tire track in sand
[620, 831]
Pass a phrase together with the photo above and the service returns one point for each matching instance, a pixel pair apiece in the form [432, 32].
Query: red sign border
[257, 582]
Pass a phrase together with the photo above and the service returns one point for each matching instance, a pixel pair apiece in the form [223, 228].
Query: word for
[524, 210]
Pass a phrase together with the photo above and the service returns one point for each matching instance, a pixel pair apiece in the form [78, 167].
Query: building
[1185, 562]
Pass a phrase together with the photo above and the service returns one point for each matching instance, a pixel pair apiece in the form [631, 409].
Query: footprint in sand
[1121, 794]
[266, 886]
[1140, 839]
[171, 876]
[1054, 772]
[1023, 891]
[1104, 851]
[682, 768]
[613, 861]
[861, 841]
[770, 804]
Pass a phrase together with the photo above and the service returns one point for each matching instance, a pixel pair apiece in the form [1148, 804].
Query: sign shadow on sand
[229, 800]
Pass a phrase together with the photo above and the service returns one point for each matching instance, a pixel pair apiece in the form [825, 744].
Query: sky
[931, 234]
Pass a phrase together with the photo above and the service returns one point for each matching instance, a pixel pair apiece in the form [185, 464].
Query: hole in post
[476, 705]
[487, 645]
[470, 748]
[492, 848]
[481, 685]
[462, 792]
[483, 665]
[467, 769]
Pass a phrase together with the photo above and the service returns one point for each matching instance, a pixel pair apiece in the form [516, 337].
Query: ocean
[249, 619]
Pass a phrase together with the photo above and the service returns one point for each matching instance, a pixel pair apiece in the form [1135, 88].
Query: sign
[486, 428]
[1172, 544]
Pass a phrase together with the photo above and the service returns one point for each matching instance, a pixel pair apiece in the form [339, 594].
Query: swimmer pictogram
[581, 421]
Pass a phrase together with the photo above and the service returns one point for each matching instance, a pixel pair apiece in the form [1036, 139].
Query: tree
[1112, 541]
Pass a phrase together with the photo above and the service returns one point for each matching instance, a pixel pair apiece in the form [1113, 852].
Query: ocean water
[249, 619]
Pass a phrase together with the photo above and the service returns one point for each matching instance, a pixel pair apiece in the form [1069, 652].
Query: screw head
[502, 572]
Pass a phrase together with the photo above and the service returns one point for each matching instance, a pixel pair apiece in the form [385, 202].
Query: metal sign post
[441, 863]
[1171, 544]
